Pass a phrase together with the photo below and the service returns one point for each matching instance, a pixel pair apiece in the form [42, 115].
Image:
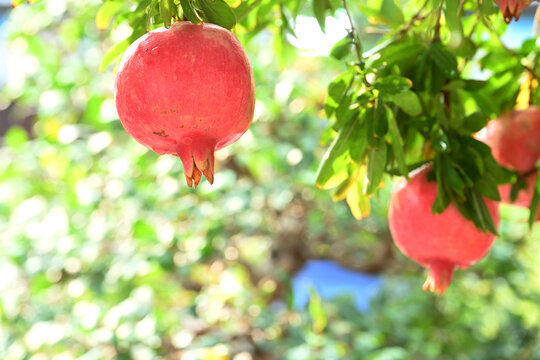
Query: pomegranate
[439, 242]
[186, 91]
[512, 8]
[514, 139]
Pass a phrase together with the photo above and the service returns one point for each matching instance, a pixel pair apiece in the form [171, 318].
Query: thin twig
[415, 18]
[356, 38]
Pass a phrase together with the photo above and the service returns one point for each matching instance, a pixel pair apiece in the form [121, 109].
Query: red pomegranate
[512, 8]
[514, 139]
[438, 242]
[186, 91]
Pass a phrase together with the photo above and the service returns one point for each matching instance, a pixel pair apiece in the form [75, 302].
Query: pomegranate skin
[438, 242]
[512, 8]
[514, 139]
[186, 91]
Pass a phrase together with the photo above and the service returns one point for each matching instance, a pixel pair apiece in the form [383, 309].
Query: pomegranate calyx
[198, 160]
[439, 276]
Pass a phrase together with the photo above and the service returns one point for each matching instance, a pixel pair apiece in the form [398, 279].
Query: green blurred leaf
[393, 84]
[342, 48]
[376, 166]
[446, 62]
[533, 214]
[166, 10]
[113, 53]
[408, 101]
[106, 12]
[397, 144]
[218, 12]
[319, 10]
[189, 11]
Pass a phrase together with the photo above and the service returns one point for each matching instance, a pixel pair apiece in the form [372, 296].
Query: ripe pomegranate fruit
[512, 8]
[186, 91]
[514, 139]
[438, 242]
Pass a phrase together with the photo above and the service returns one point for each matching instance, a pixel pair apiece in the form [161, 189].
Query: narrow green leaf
[453, 22]
[316, 311]
[337, 90]
[218, 12]
[189, 11]
[166, 12]
[381, 119]
[408, 101]
[336, 158]
[397, 144]
[534, 203]
[444, 59]
[392, 14]
[376, 166]
[319, 10]
[393, 84]
[106, 12]
[442, 200]
[481, 210]
[342, 48]
[113, 53]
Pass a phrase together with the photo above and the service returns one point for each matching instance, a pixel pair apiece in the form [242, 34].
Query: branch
[356, 39]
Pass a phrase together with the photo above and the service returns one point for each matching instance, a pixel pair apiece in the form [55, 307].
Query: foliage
[105, 254]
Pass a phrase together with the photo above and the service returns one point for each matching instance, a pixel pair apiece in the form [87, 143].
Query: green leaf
[337, 90]
[189, 11]
[482, 215]
[342, 48]
[357, 201]
[408, 101]
[381, 119]
[376, 166]
[451, 176]
[444, 59]
[397, 144]
[166, 12]
[106, 12]
[393, 84]
[218, 12]
[534, 203]
[391, 13]
[316, 311]
[474, 122]
[113, 53]
[330, 166]
[319, 10]
[442, 200]
[453, 22]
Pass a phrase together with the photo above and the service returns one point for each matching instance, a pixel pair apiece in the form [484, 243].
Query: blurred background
[106, 254]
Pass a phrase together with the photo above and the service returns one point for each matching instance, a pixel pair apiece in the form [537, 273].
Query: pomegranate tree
[186, 91]
[438, 242]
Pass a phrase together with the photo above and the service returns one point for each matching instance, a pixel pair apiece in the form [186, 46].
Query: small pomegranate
[438, 242]
[186, 91]
[512, 8]
[514, 139]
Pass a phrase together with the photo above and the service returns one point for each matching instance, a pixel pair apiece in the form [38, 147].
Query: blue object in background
[517, 32]
[330, 280]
